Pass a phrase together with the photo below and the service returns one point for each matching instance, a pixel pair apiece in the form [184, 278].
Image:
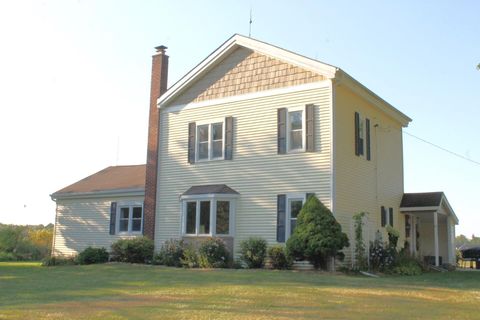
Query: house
[235, 146]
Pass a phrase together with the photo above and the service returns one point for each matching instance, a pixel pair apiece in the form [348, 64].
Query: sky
[75, 81]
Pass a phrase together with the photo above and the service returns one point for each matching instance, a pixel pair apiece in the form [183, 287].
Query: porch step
[439, 269]
[302, 266]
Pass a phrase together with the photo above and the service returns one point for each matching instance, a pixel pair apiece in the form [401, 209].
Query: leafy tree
[317, 235]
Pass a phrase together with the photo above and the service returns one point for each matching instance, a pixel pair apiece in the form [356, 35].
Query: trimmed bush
[93, 255]
[135, 250]
[279, 258]
[253, 252]
[58, 261]
[317, 235]
[213, 254]
[190, 258]
[170, 253]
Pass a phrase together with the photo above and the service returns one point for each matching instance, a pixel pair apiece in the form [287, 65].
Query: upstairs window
[296, 132]
[362, 136]
[210, 141]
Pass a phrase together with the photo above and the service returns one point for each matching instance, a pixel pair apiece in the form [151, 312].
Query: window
[362, 136]
[210, 142]
[208, 216]
[294, 205]
[386, 217]
[296, 129]
[130, 218]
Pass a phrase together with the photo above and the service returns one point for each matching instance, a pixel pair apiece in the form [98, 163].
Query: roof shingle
[109, 179]
[424, 199]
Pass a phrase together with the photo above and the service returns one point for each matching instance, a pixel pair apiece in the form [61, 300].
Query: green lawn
[122, 291]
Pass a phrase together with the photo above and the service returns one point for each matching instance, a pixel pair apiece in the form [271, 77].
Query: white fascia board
[452, 213]
[210, 196]
[344, 78]
[255, 45]
[250, 96]
[412, 209]
[99, 194]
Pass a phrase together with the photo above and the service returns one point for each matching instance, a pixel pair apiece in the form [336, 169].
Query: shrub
[93, 255]
[317, 235]
[170, 253]
[136, 250]
[360, 252]
[382, 257]
[253, 252]
[7, 256]
[190, 258]
[213, 254]
[393, 236]
[58, 261]
[279, 258]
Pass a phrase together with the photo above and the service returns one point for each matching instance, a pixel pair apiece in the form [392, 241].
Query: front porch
[430, 227]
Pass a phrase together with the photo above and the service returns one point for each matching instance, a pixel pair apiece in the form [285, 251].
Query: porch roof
[427, 201]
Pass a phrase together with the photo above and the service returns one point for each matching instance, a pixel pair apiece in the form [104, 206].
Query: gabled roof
[426, 201]
[236, 41]
[115, 179]
[209, 189]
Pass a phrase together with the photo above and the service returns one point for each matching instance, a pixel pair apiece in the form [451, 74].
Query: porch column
[449, 241]
[435, 236]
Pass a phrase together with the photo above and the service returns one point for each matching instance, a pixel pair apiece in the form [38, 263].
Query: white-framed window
[296, 126]
[294, 205]
[130, 218]
[208, 215]
[210, 142]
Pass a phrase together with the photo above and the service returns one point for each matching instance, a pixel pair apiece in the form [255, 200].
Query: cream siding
[362, 185]
[85, 222]
[257, 172]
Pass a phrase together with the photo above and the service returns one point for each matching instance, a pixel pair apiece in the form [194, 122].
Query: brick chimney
[158, 87]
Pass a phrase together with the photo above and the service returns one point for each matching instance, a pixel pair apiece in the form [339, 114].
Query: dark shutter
[357, 134]
[367, 125]
[281, 217]
[390, 216]
[310, 128]
[113, 217]
[309, 195]
[192, 128]
[228, 138]
[384, 216]
[282, 131]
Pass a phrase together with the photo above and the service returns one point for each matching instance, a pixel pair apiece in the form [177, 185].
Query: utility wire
[442, 148]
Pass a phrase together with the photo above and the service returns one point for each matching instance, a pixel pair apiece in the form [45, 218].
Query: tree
[317, 235]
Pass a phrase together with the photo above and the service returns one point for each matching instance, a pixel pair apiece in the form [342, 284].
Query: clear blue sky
[74, 82]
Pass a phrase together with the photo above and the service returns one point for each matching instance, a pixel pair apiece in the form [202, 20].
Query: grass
[122, 291]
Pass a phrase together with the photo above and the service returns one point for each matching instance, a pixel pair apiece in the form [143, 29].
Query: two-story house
[236, 145]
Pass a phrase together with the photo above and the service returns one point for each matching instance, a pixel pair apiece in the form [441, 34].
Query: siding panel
[257, 172]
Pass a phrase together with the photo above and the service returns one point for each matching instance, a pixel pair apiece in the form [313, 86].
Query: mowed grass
[123, 291]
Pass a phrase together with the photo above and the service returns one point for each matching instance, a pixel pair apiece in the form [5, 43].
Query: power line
[442, 148]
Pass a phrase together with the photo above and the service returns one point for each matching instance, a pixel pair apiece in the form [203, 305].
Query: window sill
[124, 233]
[207, 236]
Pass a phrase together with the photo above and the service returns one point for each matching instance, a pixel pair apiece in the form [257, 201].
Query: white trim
[452, 213]
[240, 41]
[342, 77]
[304, 133]
[435, 238]
[130, 205]
[410, 209]
[289, 197]
[210, 124]
[212, 198]
[99, 194]
[332, 148]
[246, 96]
